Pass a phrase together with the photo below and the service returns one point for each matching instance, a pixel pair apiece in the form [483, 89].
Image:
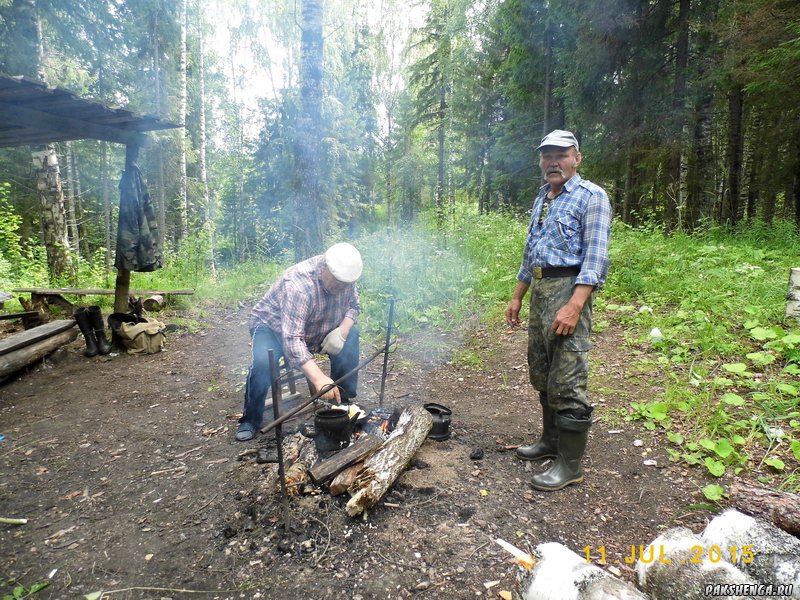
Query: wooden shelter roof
[33, 113]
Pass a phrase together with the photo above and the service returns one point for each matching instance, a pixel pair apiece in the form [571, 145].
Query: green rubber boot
[547, 446]
[566, 470]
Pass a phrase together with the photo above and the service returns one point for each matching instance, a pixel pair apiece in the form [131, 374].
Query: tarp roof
[33, 113]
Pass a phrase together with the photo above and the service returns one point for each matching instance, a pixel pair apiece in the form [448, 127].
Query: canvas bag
[145, 337]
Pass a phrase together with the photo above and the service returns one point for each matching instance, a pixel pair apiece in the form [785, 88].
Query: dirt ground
[128, 472]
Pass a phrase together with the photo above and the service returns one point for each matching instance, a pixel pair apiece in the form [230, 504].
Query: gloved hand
[333, 342]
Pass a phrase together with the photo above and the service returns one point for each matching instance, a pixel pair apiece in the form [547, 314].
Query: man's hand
[512, 312]
[332, 394]
[319, 380]
[567, 317]
[334, 342]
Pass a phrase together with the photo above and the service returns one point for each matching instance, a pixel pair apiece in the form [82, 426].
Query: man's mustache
[555, 170]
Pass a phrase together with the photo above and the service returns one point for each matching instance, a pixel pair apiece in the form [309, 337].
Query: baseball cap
[559, 138]
[344, 262]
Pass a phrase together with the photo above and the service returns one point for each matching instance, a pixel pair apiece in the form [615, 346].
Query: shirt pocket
[568, 233]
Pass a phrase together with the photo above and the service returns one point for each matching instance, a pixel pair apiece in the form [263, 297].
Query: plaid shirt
[301, 312]
[572, 231]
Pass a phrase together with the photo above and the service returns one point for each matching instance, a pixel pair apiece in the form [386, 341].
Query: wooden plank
[354, 453]
[55, 123]
[100, 291]
[27, 338]
[21, 315]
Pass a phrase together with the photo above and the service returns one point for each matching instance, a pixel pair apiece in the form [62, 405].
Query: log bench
[21, 349]
[43, 297]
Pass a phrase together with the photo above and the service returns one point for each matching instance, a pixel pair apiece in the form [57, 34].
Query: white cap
[559, 138]
[344, 262]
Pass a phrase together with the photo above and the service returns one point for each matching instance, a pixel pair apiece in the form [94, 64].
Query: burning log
[304, 454]
[755, 546]
[381, 469]
[356, 452]
[560, 574]
[344, 479]
[674, 569]
[780, 508]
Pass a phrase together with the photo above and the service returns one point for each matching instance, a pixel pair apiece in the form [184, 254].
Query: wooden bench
[42, 297]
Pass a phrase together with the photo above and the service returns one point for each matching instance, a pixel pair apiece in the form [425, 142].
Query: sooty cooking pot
[441, 421]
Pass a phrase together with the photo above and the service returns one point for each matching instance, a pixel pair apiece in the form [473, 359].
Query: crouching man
[313, 307]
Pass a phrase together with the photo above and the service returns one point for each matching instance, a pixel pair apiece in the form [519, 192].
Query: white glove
[333, 342]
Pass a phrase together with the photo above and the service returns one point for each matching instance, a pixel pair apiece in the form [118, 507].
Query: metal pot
[441, 421]
[333, 428]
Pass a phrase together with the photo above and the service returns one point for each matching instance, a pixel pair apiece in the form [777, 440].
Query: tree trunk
[207, 200]
[107, 205]
[700, 186]
[308, 213]
[730, 209]
[630, 206]
[83, 236]
[440, 118]
[796, 188]
[53, 221]
[547, 92]
[183, 230]
[780, 508]
[72, 220]
[675, 199]
[385, 466]
[161, 210]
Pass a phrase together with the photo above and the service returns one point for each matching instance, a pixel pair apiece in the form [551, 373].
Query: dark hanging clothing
[137, 234]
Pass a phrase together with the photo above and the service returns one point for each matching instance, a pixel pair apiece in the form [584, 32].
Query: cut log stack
[733, 549]
[22, 349]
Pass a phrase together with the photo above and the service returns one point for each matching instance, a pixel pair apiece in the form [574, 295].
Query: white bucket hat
[560, 139]
[344, 262]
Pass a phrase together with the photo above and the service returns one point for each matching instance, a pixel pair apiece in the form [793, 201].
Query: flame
[384, 426]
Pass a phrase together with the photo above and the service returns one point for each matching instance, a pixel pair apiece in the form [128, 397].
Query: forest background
[412, 130]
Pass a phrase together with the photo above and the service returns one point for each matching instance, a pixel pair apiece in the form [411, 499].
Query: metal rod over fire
[276, 401]
[386, 349]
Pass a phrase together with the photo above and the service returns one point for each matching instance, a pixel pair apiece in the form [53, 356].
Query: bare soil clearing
[127, 470]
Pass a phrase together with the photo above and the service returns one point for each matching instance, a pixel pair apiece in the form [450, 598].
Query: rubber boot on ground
[82, 318]
[547, 446]
[96, 321]
[566, 470]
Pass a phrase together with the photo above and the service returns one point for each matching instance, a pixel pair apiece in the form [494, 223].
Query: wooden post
[123, 283]
[793, 296]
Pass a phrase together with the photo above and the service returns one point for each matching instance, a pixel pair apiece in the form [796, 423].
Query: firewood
[344, 479]
[756, 546]
[677, 565]
[385, 466]
[153, 303]
[780, 508]
[560, 574]
[356, 452]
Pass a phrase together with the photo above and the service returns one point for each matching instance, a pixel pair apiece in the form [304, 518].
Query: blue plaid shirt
[574, 232]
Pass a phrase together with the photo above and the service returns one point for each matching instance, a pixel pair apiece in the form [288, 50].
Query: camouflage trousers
[558, 365]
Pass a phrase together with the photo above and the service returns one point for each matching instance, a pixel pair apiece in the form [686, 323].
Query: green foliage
[19, 592]
[730, 364]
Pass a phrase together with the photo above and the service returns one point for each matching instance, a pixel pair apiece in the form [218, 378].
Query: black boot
[82, 318]
[547, 446]
[96, 321]
[566, 470]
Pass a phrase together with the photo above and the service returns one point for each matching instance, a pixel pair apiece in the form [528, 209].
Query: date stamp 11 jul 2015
[656, 553]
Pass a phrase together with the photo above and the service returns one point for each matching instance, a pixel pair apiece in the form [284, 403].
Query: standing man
[313, 307]
[564, 261]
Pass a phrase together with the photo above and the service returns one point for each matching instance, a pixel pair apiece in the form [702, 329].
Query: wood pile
[366, 469]
[736, 556]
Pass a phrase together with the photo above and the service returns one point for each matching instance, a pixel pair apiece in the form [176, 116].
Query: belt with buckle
[545, 272]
